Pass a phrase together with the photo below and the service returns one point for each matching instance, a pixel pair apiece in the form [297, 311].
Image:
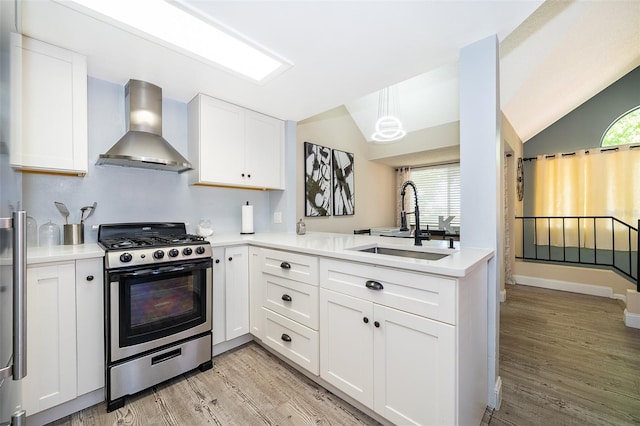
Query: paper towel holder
[247, 219]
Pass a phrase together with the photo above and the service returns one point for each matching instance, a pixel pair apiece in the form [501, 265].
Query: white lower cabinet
[230, 293]
[51, 337]
[65, 329]
[398, 364]
[289, 300]
[90, 324]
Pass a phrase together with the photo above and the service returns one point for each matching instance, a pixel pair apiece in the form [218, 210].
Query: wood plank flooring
[247, 386]
[566, 359]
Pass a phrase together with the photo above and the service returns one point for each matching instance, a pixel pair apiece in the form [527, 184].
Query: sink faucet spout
[403, 214]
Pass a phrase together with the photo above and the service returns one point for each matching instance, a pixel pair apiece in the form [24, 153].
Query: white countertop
[63, 253]
[457, 264]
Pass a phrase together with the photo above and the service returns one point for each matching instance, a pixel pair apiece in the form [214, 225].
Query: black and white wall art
[343, 183]
[317, 171]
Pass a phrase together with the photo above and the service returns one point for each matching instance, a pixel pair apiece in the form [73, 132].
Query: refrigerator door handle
[19, 224]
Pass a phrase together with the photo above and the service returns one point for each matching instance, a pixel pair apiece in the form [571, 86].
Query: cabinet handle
[230, 258]
[366, 320]
[217, 260]
[377, 324]
[89, 277]
[249, 175]
[285, 265]
[285, 337]
[286, 298]
[243, 175]
[374, 285]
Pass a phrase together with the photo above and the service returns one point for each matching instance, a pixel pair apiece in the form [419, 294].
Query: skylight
[175, 27]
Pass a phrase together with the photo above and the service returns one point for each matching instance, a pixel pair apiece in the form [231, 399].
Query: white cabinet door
[346, 344]
[90, 324]
[264, 150]
[50, 98]
[218, 289]
[221, 142]
[232, 146]
[414, 368]
[256, 291]
[237, 291]
[51, 342]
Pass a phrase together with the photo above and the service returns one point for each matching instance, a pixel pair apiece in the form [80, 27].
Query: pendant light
[388, 127]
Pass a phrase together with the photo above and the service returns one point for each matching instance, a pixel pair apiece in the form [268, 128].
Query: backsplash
[137, 195]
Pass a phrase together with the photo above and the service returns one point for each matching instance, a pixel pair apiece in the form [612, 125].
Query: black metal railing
[603, 241]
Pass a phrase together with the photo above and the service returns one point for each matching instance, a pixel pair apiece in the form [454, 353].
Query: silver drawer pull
[374, 285]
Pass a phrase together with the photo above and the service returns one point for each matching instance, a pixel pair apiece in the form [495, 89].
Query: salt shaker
[301, 228]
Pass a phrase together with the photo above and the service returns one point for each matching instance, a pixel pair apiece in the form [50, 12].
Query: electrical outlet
[277, 217]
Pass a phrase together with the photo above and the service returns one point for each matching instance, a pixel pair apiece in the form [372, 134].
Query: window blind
[438, 194]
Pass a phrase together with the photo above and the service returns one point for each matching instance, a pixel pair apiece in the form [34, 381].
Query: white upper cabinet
[233, 146]
[48, 108]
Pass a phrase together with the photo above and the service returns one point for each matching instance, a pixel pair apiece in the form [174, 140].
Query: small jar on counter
[301, 228]
[49, 234]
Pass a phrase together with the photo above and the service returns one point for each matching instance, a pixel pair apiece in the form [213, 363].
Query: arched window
[624, 130]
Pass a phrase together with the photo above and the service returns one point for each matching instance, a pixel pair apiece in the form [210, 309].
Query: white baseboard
[497, 395]
[593, 290]
[503, 296]
[231, 344]
[631, 320]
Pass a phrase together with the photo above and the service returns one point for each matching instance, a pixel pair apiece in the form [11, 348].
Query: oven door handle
[161, 270]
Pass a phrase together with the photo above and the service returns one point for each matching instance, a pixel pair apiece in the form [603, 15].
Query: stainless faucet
[403, 215]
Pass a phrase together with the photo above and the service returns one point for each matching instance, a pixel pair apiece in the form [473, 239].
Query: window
[624, 130]
[438, 194]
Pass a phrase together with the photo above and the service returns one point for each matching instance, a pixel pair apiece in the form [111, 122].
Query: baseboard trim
[631, 320]
[497, 395]
[503, 296]
[593, 290]
[231, 344]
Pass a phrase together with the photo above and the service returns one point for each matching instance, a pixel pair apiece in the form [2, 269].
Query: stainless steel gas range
[157, 303]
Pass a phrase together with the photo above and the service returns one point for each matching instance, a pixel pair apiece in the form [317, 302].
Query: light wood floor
[247, 386]
[565, 359]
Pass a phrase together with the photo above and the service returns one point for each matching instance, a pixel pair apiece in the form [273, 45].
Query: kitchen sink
[403, 253]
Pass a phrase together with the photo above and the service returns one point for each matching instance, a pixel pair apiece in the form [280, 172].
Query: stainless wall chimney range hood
[142, 145]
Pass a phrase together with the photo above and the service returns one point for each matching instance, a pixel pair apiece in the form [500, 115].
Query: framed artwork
[317, 180]
[344, 201]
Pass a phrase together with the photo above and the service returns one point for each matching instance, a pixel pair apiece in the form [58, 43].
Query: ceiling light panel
[176, 27]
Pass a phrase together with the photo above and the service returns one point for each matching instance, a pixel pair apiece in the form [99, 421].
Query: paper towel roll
[247, 219]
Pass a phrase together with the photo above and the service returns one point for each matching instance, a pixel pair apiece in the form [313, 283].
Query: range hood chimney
[143, 145]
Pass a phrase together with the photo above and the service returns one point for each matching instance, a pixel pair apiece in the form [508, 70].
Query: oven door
[153, 307]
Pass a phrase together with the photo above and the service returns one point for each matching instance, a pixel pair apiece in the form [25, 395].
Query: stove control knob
[173, 252]
[158, 254]
[187, 251]
[125, 257]
[199, 250]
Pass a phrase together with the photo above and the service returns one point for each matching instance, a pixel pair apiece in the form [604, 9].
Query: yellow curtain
[588, 184]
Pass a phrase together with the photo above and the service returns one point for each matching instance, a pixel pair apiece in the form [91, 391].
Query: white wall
[374, 182]
[130, 195]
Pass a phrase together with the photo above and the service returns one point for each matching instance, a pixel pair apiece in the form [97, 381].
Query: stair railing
[586, 240]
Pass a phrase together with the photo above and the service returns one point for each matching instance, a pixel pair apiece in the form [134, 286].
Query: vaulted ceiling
[553, 55]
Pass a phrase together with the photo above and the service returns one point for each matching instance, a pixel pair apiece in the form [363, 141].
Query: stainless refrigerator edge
[12, 240]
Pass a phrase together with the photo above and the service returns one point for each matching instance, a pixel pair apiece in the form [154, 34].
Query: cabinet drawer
[292, 340]
[292, 299]
[421, 294]
[294, 266]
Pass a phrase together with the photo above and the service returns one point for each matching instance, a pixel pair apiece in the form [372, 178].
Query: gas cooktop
[141, 244]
